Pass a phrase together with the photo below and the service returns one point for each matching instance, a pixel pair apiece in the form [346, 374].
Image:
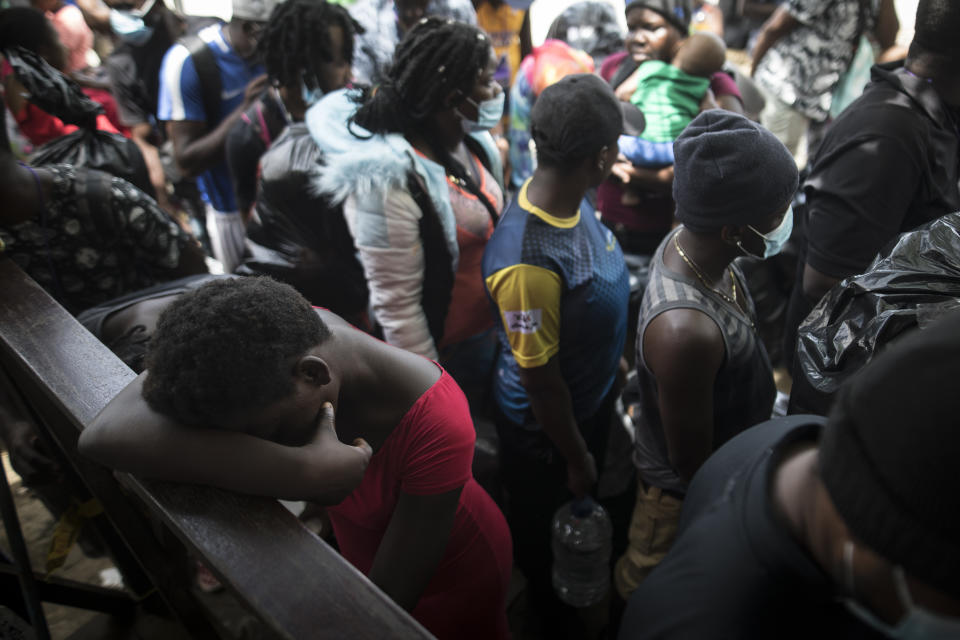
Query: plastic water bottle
[581, 552]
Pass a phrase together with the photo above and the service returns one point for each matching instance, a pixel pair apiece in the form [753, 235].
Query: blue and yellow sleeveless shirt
[560, 287]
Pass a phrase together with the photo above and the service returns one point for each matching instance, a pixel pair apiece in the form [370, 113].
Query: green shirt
[669, 99]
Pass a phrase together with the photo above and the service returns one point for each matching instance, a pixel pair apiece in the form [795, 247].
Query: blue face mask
[774, 241]
[129, 25]
[310, 96]
[489, 113]
[916, 624]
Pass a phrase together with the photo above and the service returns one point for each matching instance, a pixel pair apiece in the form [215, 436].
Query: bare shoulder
[332, 320]
[410, 372]
[679, 338]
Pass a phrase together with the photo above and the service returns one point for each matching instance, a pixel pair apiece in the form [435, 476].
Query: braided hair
[296, 40]
[438, 56]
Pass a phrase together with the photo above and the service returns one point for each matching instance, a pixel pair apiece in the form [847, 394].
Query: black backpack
[206, 65]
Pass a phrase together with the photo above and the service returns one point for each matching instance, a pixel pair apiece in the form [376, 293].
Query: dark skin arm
[142, 134]
[816, 284]
[192, 260]
[779, 26]
[96, 14]
[194, 148]
[553, 409]
[413, 545]
[759, 10]
[885, 31]
[684, 350]
[129, 436]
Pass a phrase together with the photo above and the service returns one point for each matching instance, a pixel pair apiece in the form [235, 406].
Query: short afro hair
[228, 347]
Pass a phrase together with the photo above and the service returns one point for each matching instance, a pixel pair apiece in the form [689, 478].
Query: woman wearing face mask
[704, 373]
[307, 48]
[419, 174]
[636, 201]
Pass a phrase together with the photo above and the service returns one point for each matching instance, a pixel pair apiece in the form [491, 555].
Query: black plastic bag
[297, 236]
[102, 150]
[912, 283]
[60, 96]
[51, 90]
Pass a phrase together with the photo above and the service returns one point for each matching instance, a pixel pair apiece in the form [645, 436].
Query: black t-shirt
[735, 571]
[888, 164]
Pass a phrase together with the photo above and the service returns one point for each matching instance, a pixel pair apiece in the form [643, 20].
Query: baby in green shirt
[670, 95]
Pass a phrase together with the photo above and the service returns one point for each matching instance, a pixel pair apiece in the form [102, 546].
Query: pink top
[469, 312]
[75, 35]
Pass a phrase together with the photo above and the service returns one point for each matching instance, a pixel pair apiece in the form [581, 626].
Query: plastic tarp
[914, 282]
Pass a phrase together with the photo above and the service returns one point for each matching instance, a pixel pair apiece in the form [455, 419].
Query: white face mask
[774, 241]
[916, 624]
[489, 113]
[310, 96]
[129, 25]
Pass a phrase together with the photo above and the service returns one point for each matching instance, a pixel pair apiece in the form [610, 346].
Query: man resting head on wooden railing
[243, 379]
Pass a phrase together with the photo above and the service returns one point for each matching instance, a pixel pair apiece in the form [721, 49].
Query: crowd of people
[367, 234]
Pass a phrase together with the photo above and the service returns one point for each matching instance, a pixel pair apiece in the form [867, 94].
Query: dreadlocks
[436, 58]
[296, 40]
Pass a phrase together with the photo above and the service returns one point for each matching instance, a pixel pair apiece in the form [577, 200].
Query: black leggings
[534, 476]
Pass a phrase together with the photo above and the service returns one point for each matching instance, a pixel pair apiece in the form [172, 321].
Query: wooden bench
[290, 579]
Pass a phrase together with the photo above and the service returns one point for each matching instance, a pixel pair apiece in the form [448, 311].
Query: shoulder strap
[207, 72]
[437, 263]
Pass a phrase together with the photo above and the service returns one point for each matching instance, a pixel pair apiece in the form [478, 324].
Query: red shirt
[431, 452]
[40, 127]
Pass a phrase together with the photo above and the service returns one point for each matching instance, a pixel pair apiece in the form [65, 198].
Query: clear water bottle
[582, 535]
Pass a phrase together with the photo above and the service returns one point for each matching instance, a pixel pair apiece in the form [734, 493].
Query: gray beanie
[730, 170]
[253, 10]
[890, 454]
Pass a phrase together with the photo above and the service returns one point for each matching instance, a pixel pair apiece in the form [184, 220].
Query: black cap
[889, 454]
[575, 117]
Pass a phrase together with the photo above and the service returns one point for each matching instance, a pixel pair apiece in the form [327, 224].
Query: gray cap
[255, 10]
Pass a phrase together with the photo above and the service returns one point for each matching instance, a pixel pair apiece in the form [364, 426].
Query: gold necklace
[693, 267]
